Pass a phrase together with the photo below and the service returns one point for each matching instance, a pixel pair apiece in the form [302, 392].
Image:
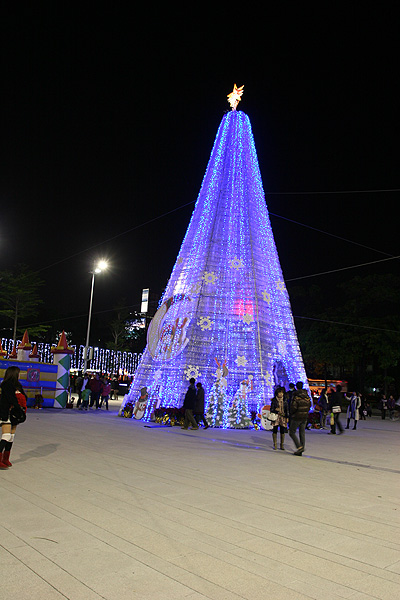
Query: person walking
[85, 393]
[95, 385]
[299, 409]
[363, 409]
[189, 404]
[279, 407]
[353, 410]
[78, 388]
[391, 404]
[11, 395]
[383, 406]
[323, 403]
[105, 392]
[114, 388]
[335, 406]
[289, 395]
[199, 406]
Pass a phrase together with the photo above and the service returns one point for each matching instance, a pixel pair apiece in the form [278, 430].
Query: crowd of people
[290, 409]
[388, 406]
[95, 390]
[294, 411]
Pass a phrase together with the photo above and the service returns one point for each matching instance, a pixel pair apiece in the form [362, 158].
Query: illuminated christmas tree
[237, 414]
[217, 402]
[226, 298]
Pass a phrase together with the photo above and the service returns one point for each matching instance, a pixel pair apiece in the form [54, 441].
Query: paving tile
[168, 516]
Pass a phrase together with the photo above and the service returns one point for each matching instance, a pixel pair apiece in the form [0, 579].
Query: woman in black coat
[279, 406]
[11, 395]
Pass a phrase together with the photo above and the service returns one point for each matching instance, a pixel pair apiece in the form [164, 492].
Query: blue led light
[226, 299]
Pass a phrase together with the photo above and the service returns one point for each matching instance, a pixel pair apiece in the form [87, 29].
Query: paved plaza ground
[101, 507]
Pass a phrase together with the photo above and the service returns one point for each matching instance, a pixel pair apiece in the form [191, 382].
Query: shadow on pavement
[39, 452]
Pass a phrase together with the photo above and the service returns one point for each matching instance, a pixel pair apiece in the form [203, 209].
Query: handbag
[17, 415]
[272, 417]
[336, 409]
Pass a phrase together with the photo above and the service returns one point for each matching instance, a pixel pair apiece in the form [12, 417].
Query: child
[105, 393]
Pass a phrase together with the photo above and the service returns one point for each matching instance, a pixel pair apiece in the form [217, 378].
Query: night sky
[108, 120]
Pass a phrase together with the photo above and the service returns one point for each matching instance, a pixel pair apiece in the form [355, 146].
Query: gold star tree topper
[235, 96]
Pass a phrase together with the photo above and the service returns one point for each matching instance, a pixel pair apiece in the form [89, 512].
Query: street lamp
[102, 265]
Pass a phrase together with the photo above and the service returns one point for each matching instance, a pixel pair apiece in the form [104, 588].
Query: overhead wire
[390, 256]
[373, 262]
[122, 233]
[333, 192]
[356, 325]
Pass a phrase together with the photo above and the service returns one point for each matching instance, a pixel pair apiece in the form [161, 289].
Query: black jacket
[190, 398]
[8, 398]
[300, 406]
[336, 399]
[199, 406]
[275, 404]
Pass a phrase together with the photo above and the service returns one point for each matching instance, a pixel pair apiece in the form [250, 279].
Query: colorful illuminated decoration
[226, 296]
[235, 96]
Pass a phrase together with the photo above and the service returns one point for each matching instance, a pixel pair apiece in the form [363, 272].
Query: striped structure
[35, 378]
[62, 359]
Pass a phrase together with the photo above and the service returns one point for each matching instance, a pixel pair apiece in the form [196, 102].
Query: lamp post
[101, 266]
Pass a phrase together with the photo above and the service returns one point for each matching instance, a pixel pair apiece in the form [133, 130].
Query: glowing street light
[102, 265]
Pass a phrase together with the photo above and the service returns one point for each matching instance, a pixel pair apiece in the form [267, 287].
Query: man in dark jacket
[95, 386]
[199, 408]
[299, 409]
[189, 405]
[289, 395]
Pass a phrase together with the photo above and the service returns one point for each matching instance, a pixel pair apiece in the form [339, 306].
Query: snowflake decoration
[266, 296]
[195, 288]
[210, 277]
[248, 318]
[280, 285]
[241, 361]
[282, 347]
[236, 264]
[157, 375]
[205, 323]
[192, 371]
[180, 260]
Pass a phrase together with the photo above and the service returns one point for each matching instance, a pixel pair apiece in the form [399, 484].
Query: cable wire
[343, 269]
[348, 324]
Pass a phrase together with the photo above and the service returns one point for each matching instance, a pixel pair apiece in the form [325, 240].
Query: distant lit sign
[145, 301]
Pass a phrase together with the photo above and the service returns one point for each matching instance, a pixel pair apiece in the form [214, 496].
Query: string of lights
[104, 360]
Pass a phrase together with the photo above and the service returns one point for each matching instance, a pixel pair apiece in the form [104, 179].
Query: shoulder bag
[17, 415]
